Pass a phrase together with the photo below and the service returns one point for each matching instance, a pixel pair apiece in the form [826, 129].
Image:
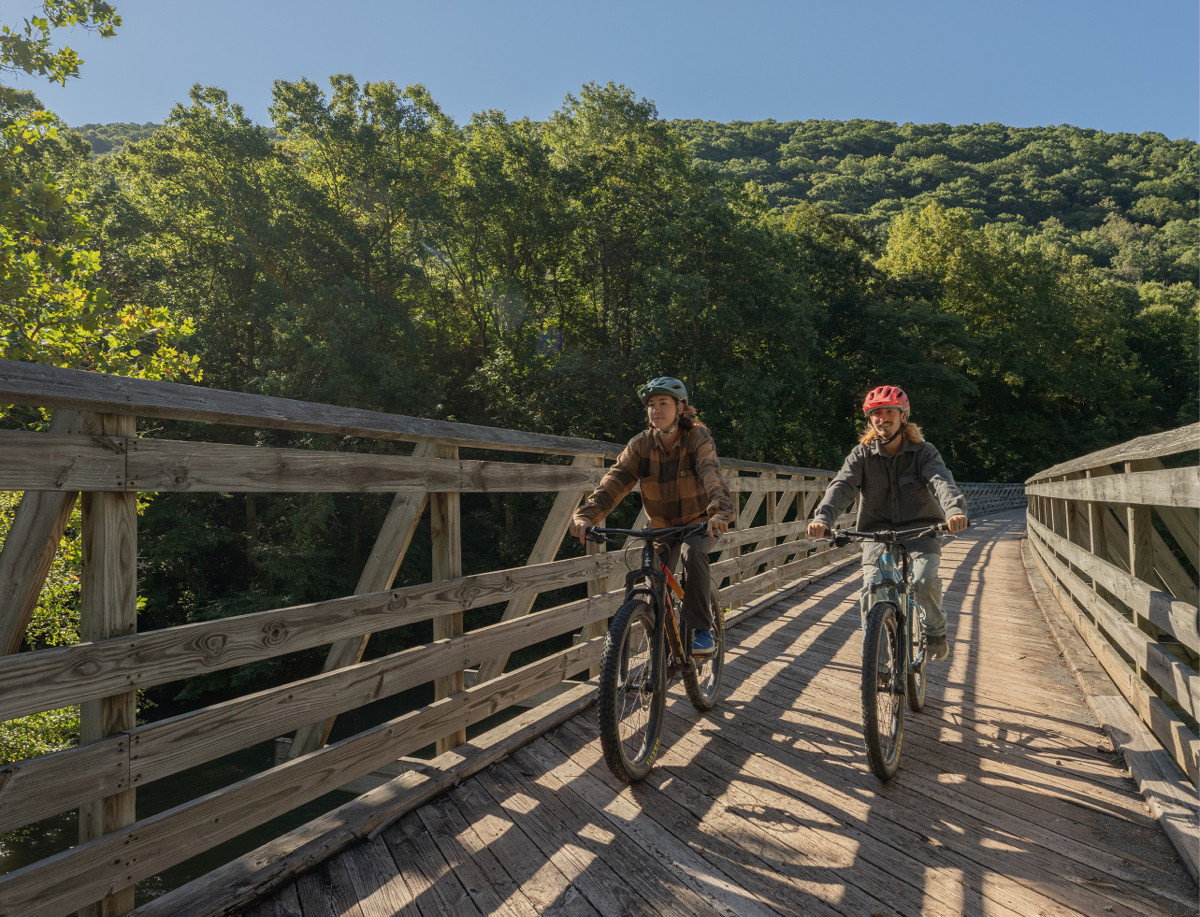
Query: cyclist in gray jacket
[904, 484]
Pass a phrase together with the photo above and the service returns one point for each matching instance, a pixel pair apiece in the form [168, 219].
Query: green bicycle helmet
[664, 385]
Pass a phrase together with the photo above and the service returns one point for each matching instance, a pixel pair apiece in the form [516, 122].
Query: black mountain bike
[647, 649]
[893, 654]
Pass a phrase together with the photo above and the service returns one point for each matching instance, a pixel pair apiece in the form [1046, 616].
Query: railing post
[1138, 525]
[446, 523]
[108, 608]
[595, 586]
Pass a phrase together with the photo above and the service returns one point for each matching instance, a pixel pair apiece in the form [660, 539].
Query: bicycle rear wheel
[703, 680]
[632, 693]
[916, 645]
[882, 687]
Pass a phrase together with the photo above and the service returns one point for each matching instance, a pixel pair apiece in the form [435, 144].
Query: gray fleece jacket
[911, 488]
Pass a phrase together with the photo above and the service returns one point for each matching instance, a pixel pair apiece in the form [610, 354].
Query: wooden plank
[446, 526]
[1160, 609]
[1156, 445]
[767, 483]
[1179, 742]
[541, 882]
[108, 608]
[47, 462]
[598, 586]
[545, 549]
[378, 880]
[1171, 799]
[179, 833]
[1178, 487]
[432, 881]
[29, 547]
[1138, 526]
[498, 892]
[284, 858]
[52, 386]
[168, 746]
[51, 678]
[41, 787]
[378, 574]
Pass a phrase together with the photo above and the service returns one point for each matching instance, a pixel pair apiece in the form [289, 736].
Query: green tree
[31, 48]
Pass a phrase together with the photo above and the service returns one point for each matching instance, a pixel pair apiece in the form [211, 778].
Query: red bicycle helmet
[886, 396]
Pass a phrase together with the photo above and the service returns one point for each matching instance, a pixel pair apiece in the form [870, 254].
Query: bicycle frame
[894, 646]
[657, 583]
[645, 651]
[896, 588]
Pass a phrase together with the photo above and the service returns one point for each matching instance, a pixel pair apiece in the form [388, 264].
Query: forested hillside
[1128, 202]
[1033, 290]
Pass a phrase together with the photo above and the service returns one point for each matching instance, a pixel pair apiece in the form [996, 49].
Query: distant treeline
[1033, 290]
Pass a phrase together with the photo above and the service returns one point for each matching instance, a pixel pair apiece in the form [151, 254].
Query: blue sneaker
[703, 644]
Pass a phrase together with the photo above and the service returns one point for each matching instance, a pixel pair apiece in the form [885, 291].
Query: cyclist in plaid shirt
[676, 462]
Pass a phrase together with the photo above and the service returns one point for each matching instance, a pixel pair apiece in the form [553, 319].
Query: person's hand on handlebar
[579, 530]
[817, 529]
[956, 523]
[717, 527]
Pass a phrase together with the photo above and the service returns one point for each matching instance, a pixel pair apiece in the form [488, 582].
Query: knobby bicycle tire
[703, 680]
[882, 680]
[917, 644]
[632, 692]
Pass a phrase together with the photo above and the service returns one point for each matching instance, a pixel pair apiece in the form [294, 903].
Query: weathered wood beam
[1172, 442]
[42, 787]
[52, 386]
[47, 462]
[37, 529]
[545, 549]
[56, 677]
[108, 608]
[446, 524]
[179, 833]
[378, 575]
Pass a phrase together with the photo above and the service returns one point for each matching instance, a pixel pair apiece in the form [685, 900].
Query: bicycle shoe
[938, 649]
[703, 643]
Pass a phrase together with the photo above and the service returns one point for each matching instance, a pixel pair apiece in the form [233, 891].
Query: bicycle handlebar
[596, 533]
[842, 537]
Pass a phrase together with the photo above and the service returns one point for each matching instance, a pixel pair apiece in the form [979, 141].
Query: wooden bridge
[1040, 780]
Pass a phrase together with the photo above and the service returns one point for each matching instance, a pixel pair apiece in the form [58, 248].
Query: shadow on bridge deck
[1009, 800]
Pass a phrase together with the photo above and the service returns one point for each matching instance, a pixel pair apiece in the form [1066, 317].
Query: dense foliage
[1033, 290]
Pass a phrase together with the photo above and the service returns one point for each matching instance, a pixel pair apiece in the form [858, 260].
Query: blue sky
[1113, 65]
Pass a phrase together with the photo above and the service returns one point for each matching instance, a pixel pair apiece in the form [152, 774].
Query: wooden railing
[1116, 535]
[985, 499]
[93, 449]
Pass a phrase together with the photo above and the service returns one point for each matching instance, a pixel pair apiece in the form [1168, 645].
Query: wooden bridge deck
[1009, 800]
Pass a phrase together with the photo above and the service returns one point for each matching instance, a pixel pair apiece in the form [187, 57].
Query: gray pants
[927, 589]
[697, 598]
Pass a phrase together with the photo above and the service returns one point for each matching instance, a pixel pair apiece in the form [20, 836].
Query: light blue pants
[927, 589]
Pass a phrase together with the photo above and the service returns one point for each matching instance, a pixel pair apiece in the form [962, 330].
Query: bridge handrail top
[1154, 445]
[35, 384]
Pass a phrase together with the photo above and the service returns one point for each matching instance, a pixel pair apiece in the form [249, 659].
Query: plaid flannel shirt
[678, 487]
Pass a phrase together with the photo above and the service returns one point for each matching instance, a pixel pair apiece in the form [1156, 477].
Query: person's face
[885, 421]
[662, 411]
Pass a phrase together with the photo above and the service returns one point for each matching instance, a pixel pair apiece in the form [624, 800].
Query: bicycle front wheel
[703, 679]
[882, 687]
[632, 693]
[916, 648]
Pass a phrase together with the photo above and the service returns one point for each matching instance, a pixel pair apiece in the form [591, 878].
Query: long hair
[911, 432]
[687, 417]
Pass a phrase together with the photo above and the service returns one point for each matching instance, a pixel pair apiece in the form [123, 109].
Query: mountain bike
[894, 649]
[647, 649]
